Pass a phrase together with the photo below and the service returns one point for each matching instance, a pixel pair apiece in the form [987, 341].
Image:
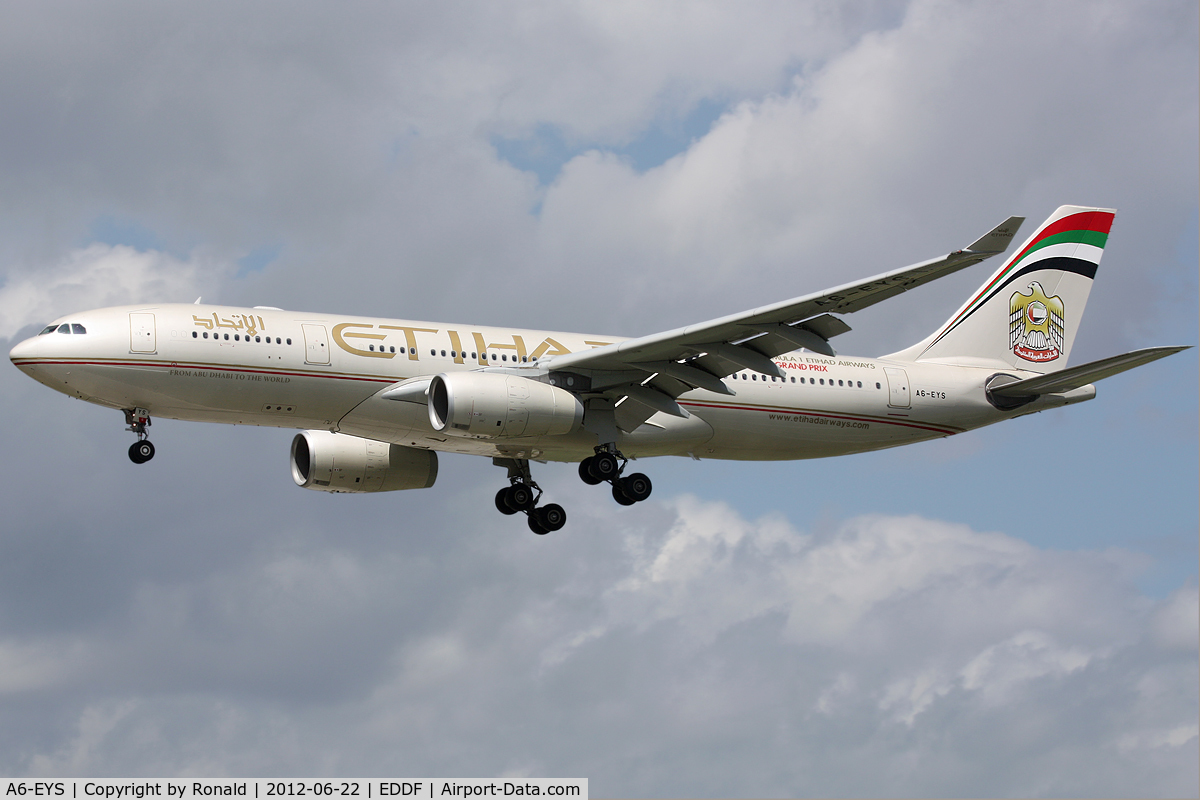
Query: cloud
[780, 656]
[203, 616]
[907, 144]
[854, 141]
[102, 275]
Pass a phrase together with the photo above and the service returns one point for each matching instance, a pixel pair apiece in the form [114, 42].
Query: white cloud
[928, 132]
[1175, 622]
[26, 667]
[221, 621]
[705, 630]
[102, 275]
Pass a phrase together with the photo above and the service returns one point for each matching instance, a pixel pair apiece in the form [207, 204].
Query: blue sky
[961, 617]
[548, 148]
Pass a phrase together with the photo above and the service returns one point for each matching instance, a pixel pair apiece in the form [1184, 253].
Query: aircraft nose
[25, 349]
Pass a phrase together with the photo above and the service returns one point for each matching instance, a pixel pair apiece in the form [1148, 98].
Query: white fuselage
[313, 371]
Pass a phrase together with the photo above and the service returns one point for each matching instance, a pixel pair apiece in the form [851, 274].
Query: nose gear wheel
[138, 419]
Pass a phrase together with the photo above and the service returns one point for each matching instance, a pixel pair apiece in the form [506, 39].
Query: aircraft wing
[1074, 377]
[651, 371]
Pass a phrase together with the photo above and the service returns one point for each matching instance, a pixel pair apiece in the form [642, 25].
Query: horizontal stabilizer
[1074, 377]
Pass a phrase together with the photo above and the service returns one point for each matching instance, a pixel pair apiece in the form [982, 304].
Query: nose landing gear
[522, 495]
[138, 419]
[605, 467]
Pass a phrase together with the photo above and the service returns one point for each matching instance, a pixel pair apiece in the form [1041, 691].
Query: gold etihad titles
[366, 334]
[369, 334]
[238, 322]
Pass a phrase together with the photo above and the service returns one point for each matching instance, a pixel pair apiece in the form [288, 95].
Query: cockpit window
[64, 328]
[50, 329]
[77, 328]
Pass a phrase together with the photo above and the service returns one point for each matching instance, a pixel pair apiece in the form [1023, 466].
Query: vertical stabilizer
[1027, 314]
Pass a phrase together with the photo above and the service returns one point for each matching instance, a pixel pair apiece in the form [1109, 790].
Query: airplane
[377, 399]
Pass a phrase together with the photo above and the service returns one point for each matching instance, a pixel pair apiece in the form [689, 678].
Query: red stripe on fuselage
[798, 411]
[177, 365]
[389, 380]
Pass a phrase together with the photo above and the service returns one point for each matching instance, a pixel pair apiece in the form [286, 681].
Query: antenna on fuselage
[198, 299]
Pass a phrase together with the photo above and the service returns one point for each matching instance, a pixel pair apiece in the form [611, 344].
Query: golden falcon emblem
[1036, 327]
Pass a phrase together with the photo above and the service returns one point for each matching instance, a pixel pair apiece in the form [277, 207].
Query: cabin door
[316, 344]
[898, 392]
[141, 333]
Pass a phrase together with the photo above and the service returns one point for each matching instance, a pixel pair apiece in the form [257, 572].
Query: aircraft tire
[501, 501]
[536, 525]
[604, 467]
[619, 495]
[141, 452]
[636, 487]
[519, 497]
[551, 516]
[585, 471]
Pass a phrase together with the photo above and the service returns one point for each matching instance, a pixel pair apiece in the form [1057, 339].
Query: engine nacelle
[493, 405]
[335, 462]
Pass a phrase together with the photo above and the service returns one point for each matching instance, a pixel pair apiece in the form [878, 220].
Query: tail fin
[1026, 315]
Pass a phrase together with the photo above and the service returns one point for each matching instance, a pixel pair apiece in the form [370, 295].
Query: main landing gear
[138, 419]
[606, 466]
[522, 495]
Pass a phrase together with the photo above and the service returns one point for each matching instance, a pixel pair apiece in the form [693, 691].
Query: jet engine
[493, 405]
[335, 462]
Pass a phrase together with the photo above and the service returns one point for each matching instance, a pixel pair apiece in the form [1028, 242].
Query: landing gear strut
[138, 419]
[522, 495]
[607, 465]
